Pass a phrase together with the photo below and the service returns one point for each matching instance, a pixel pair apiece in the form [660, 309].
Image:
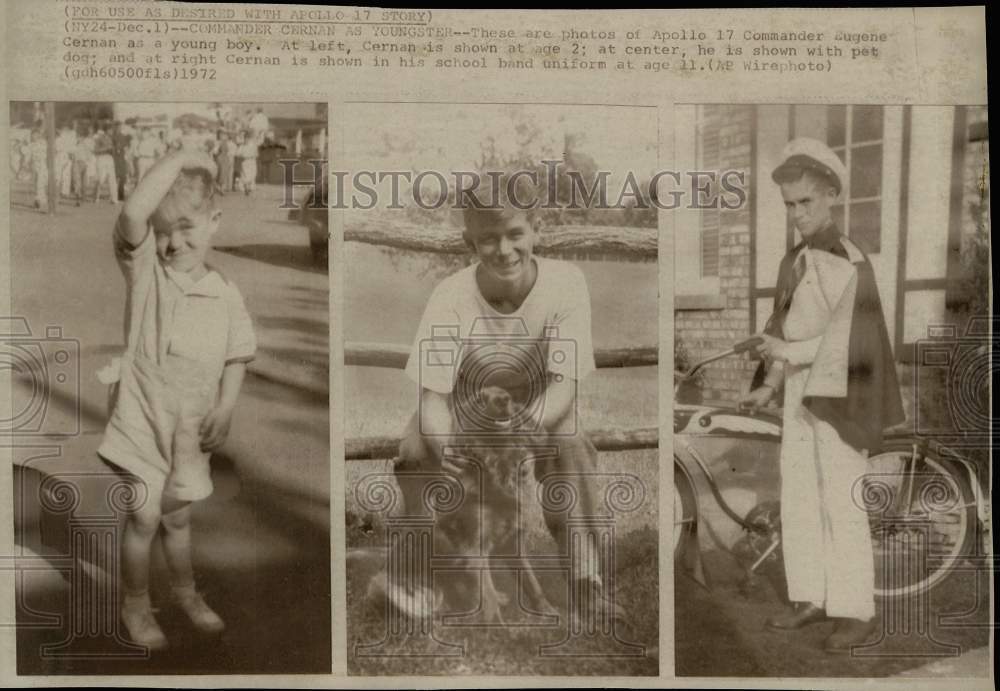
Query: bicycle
[926, 504]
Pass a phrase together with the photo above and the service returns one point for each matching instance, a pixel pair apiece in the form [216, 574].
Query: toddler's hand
[215, 428]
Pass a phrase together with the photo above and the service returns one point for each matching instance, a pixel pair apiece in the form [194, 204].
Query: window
[707, 158]
[855, 133]
[697, 283]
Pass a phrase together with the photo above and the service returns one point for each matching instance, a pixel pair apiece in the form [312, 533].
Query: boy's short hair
[498, 197]
[193, 192]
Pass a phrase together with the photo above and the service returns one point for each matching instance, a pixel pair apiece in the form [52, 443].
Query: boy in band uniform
[828, 346]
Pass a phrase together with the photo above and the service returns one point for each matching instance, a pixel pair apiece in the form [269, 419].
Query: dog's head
[498, 406]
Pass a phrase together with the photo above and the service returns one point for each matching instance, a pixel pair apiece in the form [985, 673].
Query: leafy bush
[976, 255]
[691, 390]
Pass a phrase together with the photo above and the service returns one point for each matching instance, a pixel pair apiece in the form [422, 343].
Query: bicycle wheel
[684, 512]
[922, 513]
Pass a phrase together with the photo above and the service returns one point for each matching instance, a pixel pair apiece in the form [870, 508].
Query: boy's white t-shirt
[458, 320]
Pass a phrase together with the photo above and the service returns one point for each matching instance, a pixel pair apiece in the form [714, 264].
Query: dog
[491, 465]
[494, 471]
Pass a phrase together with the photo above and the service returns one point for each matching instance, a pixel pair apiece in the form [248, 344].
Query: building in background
[296, 130]
[912, 202]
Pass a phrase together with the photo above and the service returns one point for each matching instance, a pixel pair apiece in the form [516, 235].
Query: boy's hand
[150, 191]
[756, 399]
[773, 348]
[215, 428]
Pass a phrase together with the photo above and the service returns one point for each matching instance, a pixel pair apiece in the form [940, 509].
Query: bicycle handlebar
[741, 347]
[748, 344]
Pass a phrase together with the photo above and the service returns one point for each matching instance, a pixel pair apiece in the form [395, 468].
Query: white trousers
[825, 533]
[106, 176]
[64, 172]
[248, 173]
[41, 184]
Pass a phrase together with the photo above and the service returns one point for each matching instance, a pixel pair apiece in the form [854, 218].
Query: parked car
[312, 213]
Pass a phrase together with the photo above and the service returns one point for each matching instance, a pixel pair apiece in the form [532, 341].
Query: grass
[514, 650]
[621, 397]
[509, 650]
[609, 398]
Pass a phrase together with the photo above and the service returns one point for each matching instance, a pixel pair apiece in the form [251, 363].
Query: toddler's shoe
[198, 611]
[137, 615]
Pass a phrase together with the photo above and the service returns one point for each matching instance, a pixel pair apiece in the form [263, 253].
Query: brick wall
[706, 331]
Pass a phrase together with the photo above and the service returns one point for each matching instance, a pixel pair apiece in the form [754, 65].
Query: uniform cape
[867, 401]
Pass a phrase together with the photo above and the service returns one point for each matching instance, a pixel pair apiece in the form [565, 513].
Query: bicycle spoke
[919, 530]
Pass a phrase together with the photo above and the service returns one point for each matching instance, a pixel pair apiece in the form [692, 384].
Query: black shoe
[849, 633]
[804, 614]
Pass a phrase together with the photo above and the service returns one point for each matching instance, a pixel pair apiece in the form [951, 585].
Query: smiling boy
[514, 320]
[188, 340]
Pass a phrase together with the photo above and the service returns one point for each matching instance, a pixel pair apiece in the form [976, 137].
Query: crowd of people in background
[105, 159]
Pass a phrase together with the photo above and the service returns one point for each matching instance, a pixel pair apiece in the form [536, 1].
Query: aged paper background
[59, 51]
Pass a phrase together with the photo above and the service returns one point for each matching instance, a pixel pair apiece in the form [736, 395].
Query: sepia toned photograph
[168, 353]
[832, 380]
[501, 352]
[335, 342]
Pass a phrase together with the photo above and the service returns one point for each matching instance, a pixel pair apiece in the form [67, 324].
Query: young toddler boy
[188, 341]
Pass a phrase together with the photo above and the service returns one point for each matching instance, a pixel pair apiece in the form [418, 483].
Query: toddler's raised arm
[134, 221]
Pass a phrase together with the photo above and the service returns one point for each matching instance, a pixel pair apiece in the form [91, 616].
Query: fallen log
[626, 242]
[394, 356]
[374, 448]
